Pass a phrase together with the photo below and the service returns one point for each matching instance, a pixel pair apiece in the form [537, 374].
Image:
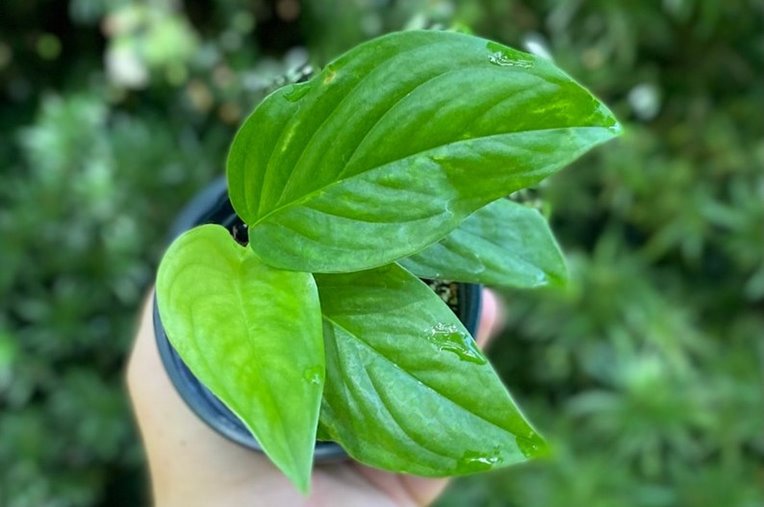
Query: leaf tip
[609, 120]
[302, 483]
[301, 477]
[559, 276]
[534, 446]
[616, 128]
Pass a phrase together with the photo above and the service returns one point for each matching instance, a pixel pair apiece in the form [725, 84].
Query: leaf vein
[313, 193]
[436, 391]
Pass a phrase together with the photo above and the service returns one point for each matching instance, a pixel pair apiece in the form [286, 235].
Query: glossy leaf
[407, 389]
[504, 243]
[395, 143]
[252, 335]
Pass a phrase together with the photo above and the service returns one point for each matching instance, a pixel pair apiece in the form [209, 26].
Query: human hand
[191, 465]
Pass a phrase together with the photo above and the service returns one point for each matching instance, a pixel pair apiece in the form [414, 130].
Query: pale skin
[191, 465]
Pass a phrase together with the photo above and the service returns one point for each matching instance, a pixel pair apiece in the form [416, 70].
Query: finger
[492, 318]
[187, 459]
[403, 489]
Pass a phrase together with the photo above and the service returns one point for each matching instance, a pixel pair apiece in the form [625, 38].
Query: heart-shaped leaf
[395, 143]
[406, 389]
[504, 243]
[252, 335]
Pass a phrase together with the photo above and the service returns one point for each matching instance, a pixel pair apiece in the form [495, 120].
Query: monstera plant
[390, 165]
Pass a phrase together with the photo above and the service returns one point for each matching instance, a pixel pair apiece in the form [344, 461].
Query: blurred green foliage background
[646, 371]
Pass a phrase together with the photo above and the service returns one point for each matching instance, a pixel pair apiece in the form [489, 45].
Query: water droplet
[503, 60]
[295, 92]
[532, 446]
[480, 461]
[450, 338]
[540, 279]
[505, 57]
[314, 375]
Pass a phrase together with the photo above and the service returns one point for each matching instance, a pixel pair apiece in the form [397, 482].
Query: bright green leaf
[504, 243]
[395, 143]
[406, 389]
[252, 335]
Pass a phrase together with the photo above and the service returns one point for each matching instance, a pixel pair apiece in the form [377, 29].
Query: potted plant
[212, 206]
[388, 167]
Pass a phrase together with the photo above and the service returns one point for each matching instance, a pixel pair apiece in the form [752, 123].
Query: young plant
[389, 165]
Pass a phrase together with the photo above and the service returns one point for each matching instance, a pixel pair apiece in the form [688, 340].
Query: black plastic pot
[212, 206]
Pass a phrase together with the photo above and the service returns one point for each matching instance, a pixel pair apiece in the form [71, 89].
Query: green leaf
[395, 143]
[251, 334]
[406, 389]
[504, 243]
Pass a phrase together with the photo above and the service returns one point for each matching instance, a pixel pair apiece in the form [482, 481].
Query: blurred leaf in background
[646, 371]
[145, 38]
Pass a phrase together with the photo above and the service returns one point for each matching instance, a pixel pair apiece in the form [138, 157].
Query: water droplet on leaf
[533, 446]
[314, 375]
[540, 279]
[503, 57]
[503, 60]
[479, 461]
[450, 338]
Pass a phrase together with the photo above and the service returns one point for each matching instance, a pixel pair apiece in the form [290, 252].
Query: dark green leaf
[504, 243]
[406, 389]
[251, 334]
[394, 144]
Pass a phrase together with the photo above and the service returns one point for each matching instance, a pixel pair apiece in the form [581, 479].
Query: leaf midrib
[312, 193]
[336, 107]
[245, 319]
